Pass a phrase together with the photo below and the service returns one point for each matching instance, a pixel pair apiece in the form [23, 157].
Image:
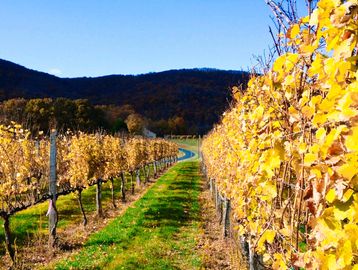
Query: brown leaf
[311, 206]
[336, 148]
[298, 260]
[308, 193]
[347, 34]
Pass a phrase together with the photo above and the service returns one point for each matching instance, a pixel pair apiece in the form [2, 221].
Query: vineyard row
[286, 153]
[75, 161]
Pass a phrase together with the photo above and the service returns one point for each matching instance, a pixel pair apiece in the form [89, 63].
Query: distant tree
[119, 125]
[39, 113]
[88, 117]
[135, 123]
[124, 111]
[160, 127]
[61, 113]
[114, 115]
[177, 125]
[13, 110]
[65, 113]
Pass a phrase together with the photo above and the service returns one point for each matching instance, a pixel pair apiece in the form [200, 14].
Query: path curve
[187, 154]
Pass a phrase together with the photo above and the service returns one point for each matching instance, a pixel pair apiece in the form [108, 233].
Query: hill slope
[197, 95]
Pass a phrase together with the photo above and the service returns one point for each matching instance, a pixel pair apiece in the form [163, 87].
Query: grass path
[158, 232]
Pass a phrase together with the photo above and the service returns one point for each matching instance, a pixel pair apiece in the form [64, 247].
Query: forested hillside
[197, 96]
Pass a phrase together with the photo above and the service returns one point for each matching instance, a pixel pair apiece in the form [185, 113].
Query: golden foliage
[286, 153]
[82, 159]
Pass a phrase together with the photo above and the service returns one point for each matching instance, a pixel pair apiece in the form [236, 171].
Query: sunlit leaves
[286, 153]
[82, 159]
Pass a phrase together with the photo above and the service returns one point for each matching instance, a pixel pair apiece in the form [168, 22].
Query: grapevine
[83, 160]
[286, 153]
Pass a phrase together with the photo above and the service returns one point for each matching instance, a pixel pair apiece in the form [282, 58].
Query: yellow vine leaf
[316, 67]
[352, 140]
[302, 148]
[321, 134]
[295, 30]
[345, 255]
[308, 111]
[347, 195]
[319, 119]
[279, 262]
[309, 159]
[266, 258]
[330, 263]
[348, 170]
[331, 196]
[286, 232]
[268, 236]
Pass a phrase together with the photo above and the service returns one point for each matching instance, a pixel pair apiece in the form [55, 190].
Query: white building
[149, 134]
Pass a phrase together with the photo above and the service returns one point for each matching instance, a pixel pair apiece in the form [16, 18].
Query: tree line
[42, 114]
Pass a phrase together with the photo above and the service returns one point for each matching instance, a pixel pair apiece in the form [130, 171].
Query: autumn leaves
[286, 153]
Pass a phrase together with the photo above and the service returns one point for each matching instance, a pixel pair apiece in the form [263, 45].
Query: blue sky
[73, 38]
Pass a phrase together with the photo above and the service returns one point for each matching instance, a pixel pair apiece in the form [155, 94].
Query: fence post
[99, 198]
[155, 169]
[251, 257]
[123, 187]
[226, 218]
[52, 210]
[220, 208]
[244, 246]
[37, 185]
[138, 177]
[211, 185]
[216, 197]
[147, 175]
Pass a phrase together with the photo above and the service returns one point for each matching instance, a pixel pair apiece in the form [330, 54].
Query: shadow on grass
[174, 206]
[31, 223]
[150, 229]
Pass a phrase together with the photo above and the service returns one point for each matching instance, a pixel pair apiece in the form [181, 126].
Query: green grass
[158, 232]
[32, 222]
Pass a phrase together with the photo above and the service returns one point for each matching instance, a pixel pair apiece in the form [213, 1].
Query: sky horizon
[89, 38]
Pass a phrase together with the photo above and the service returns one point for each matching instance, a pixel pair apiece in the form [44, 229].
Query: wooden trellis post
[226, 217]
[99, 198]
[138, 177]
[52, 210]
[123, 187]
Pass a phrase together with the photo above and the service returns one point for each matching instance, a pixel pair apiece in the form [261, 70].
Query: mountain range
[199, 96]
